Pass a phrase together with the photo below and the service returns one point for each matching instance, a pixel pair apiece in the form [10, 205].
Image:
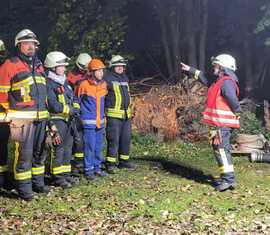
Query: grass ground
[169, 193]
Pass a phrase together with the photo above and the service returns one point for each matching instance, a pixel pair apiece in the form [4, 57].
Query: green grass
[169, 193]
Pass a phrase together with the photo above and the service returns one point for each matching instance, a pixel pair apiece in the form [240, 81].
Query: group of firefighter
[58, 120]
[48, 113]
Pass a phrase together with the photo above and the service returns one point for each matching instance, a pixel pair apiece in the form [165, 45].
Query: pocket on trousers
[16, 132]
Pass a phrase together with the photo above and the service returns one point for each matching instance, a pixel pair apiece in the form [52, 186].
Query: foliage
[97, 27]
[250, 124]
[143, 140]
[264, 24]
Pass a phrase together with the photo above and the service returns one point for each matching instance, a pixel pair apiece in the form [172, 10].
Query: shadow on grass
[178, 168]
[8, 194]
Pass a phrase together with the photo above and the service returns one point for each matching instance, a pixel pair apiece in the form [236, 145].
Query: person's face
[28, 48]
[99, 74]
[216, 69]
[119, 69]
[60, 70]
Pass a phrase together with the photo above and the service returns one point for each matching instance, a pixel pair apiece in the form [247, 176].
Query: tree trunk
[175, 35]
[203, 34]
[164, 35]
[190, 10]
[248, 68]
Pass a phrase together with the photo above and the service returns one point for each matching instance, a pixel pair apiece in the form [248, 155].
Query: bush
[250, 124]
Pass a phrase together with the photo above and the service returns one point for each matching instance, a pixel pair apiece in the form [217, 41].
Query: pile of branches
[170, 111]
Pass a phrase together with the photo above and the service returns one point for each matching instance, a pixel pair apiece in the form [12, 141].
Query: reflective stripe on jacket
[92, 96]
[218, 112]
[23, 89]
[118, 101]
[61, 101]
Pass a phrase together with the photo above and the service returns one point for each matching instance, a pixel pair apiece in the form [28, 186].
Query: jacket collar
[57, 78]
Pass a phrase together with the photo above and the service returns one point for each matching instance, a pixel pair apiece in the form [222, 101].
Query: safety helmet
[26, 35]
[83, 60]
[225, 61]
[56, 58]
[2, 46]
[117, 60]
[96, 64]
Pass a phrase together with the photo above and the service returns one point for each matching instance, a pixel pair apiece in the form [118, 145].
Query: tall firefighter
[24, 93]
[222, 113]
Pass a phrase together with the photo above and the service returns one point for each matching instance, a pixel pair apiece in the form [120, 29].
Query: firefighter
[118, 114]
[76, 75]
[222, 113]
[91, 93]
[74, 78]
[4, 130]
[62, 108]
[23, 95]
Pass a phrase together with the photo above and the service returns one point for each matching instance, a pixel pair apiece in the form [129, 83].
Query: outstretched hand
[184, 67]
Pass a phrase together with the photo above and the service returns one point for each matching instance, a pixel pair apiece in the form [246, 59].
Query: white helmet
[56, 58]
[26, 35]
[225, 60]
[118, 60]
[83, 60]
[2, 46]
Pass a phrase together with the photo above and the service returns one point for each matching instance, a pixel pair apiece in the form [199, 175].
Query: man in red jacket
[75, 77]
[222, 113]
[23, 96]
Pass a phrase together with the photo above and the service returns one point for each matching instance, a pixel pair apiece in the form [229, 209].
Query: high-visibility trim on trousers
[38, 170]
[226, 168]
[124, 157]
[56, 170]
[66, 168]
[20, 175]
[78, 155]
[111, 159]
[61, 169]
[23, 176]
[3, 168]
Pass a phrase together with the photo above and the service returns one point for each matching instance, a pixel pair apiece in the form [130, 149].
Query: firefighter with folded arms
[62, 107]
[91, 93]
[222, 113]
[75, 77]
[23, 95]
[4, 130]
[118, 114]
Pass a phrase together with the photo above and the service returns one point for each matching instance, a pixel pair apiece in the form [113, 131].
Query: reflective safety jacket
[62, 104]
[91, 97]
[23, 89]
[218, 111]
[118, 101]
